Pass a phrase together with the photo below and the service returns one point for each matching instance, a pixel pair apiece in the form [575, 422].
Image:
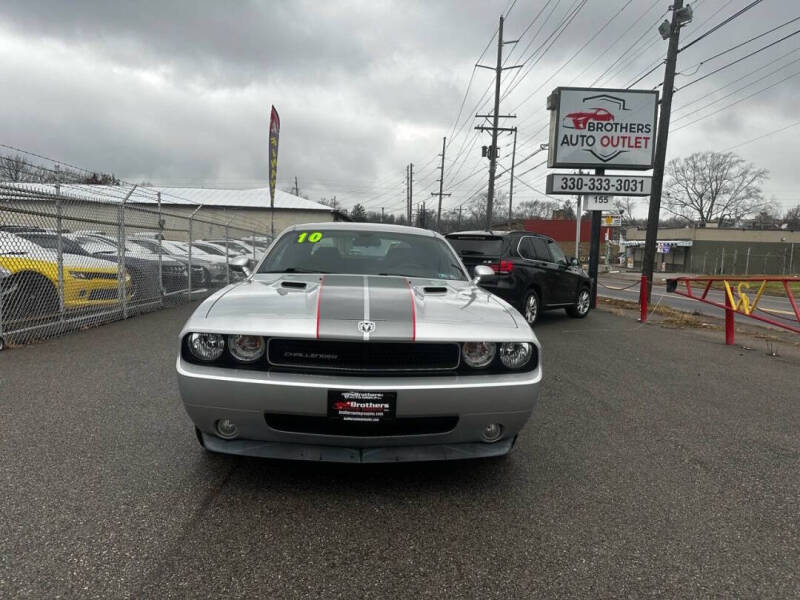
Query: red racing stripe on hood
[413, 312]
[319, 298]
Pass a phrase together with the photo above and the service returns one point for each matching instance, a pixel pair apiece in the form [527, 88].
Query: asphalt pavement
[658, 463]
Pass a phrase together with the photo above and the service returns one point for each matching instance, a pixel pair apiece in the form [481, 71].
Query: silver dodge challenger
[357, 342]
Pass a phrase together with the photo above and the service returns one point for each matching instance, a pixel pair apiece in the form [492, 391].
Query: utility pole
[578, 213]
[408, 201]
[296, 188]
[382, 208]
[441, 184]
[511, 183]
[458, 223]
[594, 248]
[680, 16]
[422, 218]
[409, 190]
[495, 116]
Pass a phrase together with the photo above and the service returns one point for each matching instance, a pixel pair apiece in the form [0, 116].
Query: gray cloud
[178, 92]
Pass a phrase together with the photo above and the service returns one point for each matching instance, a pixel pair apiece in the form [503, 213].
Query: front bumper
[212, 393]
[311, 452]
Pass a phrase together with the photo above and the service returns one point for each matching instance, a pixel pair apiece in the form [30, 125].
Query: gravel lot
[658, 463]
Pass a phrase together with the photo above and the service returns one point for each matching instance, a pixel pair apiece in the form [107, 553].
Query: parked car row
[93, 273]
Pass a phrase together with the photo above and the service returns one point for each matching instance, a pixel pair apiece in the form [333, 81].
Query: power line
[624, 53]
[617, 40]
[761, 137]
[727, 85]
[738, 60]
[729, 94]
[764, 89]
[571, 58]
[535, 35]
[737, 46]
[557, 33]
[660, 61]
[722, 24]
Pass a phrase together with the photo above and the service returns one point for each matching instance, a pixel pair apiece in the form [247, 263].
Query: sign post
[594, 249]
[600, 129]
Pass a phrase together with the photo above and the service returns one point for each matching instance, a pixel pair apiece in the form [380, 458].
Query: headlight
[478, 354]
[206, 346]
[515, 355]
[246, 348]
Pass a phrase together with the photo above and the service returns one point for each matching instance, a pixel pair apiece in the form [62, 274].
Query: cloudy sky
[178, 93]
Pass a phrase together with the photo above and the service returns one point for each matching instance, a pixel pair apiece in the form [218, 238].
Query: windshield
[477, 245]
[233, 246]
[362, 253]
[208, 249]
[50, 242]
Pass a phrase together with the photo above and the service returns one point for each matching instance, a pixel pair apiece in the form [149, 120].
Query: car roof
[504, 233]
[350, 226]
[481, 233]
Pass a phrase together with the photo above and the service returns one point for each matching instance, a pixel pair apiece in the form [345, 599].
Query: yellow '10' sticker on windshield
[312, 237]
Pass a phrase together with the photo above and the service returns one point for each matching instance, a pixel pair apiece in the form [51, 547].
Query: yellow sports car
[29, 281]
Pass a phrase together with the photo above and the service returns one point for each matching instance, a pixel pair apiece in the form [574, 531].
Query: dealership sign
[621, 185]
[602, 128]
[597, 203]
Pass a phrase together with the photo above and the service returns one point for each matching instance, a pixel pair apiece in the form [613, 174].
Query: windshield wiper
[293, 270]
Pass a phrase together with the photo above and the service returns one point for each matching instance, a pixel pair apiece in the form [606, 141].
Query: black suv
[531, 272]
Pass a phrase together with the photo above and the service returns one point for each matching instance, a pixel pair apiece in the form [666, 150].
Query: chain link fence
[75, 256]
[783, 260]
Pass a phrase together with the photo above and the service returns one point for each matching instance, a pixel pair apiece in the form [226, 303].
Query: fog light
[492, 432]
[226, 429]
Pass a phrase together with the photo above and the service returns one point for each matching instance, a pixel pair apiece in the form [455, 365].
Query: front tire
[28, 297]
[531, 307]
[582, 304]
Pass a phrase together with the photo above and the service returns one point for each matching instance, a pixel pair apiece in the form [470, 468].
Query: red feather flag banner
[274, 132]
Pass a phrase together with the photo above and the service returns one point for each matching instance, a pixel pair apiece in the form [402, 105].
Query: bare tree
[535, 209]
[713, 186]
[792, 218]
[625, 205]
[13, 168]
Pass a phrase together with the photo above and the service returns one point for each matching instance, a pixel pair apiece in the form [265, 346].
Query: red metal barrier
[736, 300]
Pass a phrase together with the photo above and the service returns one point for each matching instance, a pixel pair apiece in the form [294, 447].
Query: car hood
[360, 307]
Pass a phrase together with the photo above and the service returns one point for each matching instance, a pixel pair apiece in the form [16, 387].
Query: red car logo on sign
[580, 119]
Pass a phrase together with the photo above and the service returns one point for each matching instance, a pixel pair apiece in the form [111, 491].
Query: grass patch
[670, 317]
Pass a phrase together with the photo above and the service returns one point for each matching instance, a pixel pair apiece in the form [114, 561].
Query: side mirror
[243, 264]
[482, 272]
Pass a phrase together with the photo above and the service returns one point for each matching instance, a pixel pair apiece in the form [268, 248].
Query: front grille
[326, 426]
[110, 294]
[98, 275]
[362, 356]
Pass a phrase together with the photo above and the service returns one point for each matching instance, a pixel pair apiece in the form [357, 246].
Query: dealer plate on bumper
[368, 407]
